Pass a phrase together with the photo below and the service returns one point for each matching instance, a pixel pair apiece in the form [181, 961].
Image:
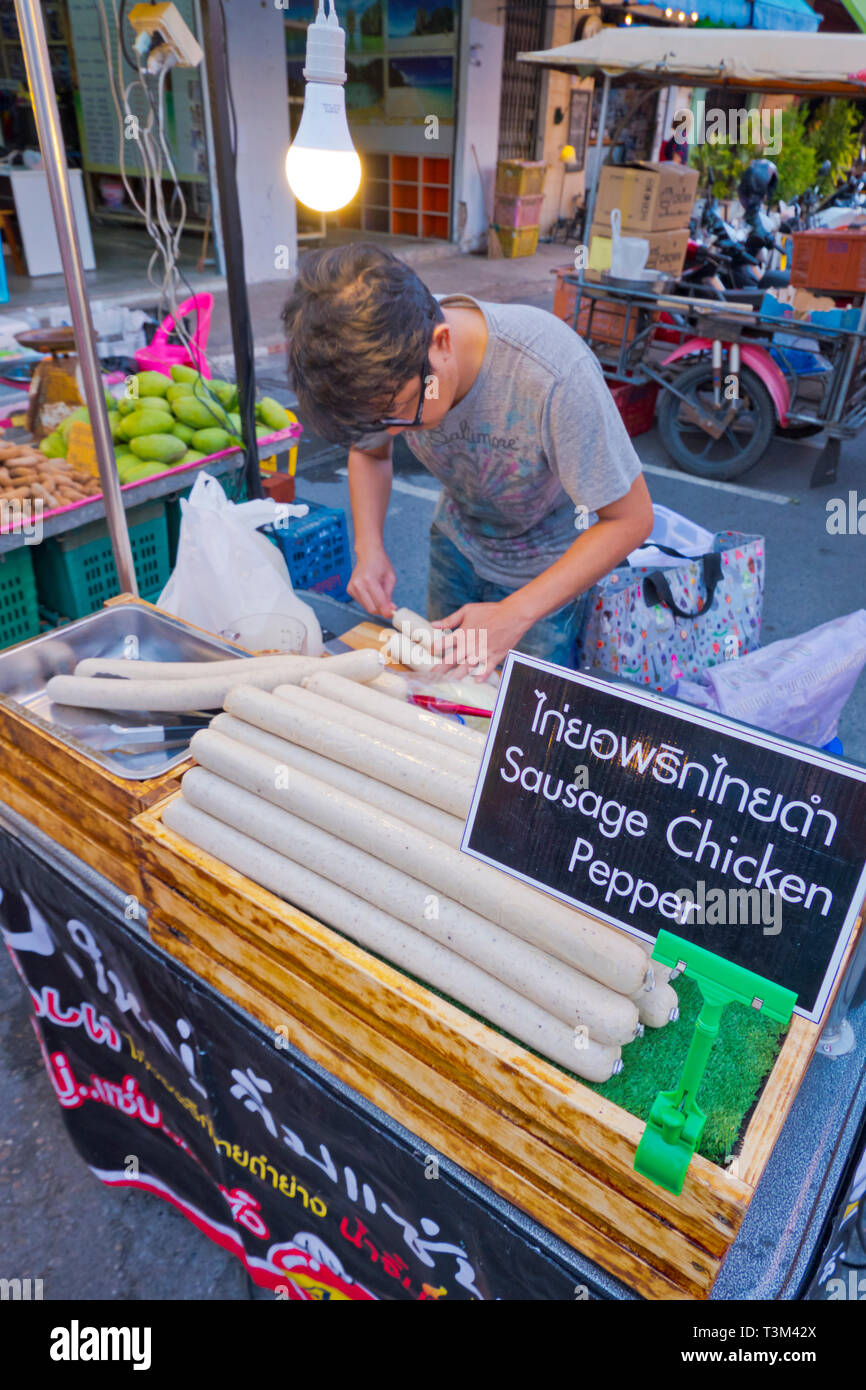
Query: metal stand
[216, 61]
[41, 84]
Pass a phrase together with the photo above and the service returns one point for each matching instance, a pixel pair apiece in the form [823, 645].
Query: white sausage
[410, 654]
[659, 974]
[416, 720]
[205, 691]
[358, 784]
[405, 948]
[459, 764]
[420, 634]
[170, 697]
[659, 1007]
[420, 630]
[589, 945]
[609, 1017]
[392, 684]
[362, 665]
[333, 740]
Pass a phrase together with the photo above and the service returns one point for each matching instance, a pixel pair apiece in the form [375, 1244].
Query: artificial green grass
[742, 1056]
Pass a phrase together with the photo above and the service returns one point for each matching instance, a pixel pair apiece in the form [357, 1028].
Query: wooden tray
[519, 1124]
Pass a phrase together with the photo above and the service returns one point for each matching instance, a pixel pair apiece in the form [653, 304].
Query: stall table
[540, 1151]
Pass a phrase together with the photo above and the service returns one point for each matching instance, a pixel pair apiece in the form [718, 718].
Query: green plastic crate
[232, 484]
[75, 573]
[19, 608]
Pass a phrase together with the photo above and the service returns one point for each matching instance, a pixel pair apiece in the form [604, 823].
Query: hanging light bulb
[668, 13]
[322, 166]
[694, 16]
[628, 19]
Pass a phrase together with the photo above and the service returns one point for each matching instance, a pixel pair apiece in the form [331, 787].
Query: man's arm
[370, 474]
[621, 527]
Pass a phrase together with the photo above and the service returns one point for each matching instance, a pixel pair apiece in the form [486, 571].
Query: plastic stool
[161, 355]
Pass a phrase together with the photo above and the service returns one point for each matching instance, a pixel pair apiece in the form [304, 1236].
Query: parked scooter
[728, 259]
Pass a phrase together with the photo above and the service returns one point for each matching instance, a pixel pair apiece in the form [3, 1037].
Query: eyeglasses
[391, 422]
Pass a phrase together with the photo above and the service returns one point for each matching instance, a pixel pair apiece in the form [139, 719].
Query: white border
[703, 718]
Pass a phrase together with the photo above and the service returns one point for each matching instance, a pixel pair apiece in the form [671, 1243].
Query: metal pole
[599, 145]
[57, 175]
[217, 63]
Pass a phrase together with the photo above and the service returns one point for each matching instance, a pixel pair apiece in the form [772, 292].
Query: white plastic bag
[796, 687]
[229, 578]
[628, 254]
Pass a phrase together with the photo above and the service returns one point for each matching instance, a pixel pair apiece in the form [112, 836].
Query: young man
[507, 407]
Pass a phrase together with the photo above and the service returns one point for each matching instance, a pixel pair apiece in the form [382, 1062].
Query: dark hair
[358, 322]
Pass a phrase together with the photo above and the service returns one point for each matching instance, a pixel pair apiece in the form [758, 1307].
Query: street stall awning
[760, 14]
[767, 61]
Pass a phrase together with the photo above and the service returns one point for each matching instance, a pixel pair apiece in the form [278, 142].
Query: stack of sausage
[350, 804]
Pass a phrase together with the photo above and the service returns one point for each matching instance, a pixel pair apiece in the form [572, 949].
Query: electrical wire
[154, 150]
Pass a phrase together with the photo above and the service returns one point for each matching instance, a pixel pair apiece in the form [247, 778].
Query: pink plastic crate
[516, 212]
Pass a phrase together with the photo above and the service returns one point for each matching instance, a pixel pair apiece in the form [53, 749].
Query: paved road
[58, 1224]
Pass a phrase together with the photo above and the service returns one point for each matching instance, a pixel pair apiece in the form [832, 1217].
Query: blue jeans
[453, 581]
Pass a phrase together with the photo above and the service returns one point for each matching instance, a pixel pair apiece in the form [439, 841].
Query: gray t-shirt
[535, 440]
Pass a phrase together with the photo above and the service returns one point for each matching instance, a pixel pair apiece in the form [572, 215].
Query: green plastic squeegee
[676, 1121]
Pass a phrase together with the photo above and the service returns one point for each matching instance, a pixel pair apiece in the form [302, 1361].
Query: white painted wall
[482, 42]
[257, 59]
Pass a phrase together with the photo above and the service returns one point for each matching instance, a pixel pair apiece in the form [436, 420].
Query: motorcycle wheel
[743, 442]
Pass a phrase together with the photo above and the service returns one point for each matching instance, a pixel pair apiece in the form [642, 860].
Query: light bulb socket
[326, 53]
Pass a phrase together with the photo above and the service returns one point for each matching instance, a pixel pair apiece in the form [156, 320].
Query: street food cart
[346, 1130]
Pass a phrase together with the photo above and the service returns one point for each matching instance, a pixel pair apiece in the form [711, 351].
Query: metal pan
[127, 630]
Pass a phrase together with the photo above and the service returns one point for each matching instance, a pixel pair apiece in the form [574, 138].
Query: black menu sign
[651, 814]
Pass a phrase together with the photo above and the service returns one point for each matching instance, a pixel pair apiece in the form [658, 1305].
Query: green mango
[127, 467]
[143, 468]
[193, 456]
[211, 441]
[225, 391]
[184, 432]
[181, 372]
[200, 415]
[162, 448]
[145, 422]
[237, 428]
[152, 383]
[154, 403]
[263, 432]
[53, 446]
[80, 413]
[178, 388]
[270, 412]
[115, 420]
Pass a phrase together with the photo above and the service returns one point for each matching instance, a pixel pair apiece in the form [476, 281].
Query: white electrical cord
[153, 148]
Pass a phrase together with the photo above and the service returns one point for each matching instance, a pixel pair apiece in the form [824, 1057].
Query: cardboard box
[834, 260]
[666, 254]
[651, 197]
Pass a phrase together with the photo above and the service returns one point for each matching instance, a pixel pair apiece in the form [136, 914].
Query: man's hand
[490, 630]
[372, 583]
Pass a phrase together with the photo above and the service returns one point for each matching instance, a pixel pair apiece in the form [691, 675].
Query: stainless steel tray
[127, 630]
